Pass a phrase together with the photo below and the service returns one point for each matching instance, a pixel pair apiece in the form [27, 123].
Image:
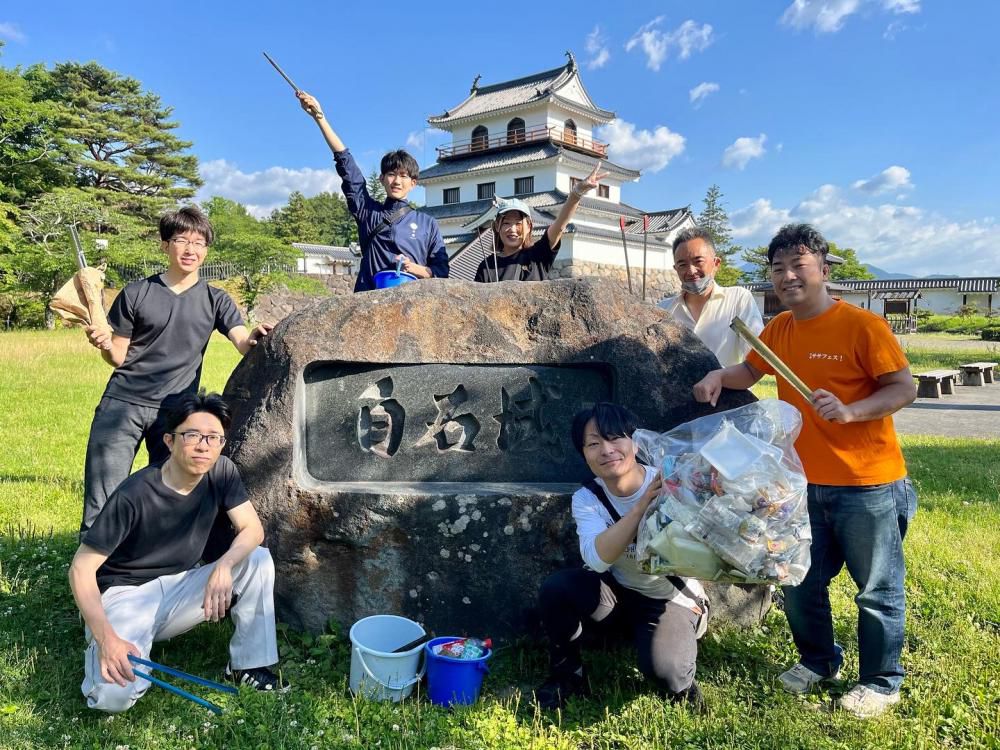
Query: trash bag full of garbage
[733, 506]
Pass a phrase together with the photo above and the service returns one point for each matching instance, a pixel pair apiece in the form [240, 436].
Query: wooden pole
[771, 358]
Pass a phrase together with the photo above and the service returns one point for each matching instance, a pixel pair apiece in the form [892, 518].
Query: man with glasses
[860, 499]
[705, 307]
[160, 330]
[135, 576]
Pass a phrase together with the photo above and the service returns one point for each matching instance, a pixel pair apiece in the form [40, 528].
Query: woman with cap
[515, 256]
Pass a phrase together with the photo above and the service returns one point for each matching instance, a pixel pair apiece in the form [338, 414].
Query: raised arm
[113, 347]
[312, 107]
[556, 228]
[112, 651]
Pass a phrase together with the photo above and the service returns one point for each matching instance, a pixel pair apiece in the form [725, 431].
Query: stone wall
[659, 284]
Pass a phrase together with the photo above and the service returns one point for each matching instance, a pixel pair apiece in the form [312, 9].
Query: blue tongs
[184, 676]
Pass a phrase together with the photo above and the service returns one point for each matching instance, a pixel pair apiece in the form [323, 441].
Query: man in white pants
[136, 577]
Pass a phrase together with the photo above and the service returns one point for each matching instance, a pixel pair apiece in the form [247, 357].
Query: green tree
[851, 268]
[375, 187]
[322, 219]
[714, 218]
[38, 262]
[250, 246]
[29, 142]
[118, 138]
[758, 269]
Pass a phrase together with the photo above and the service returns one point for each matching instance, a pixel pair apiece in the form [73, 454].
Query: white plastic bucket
[378, 673]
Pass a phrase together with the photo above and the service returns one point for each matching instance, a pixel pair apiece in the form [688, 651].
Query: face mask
[698, 286]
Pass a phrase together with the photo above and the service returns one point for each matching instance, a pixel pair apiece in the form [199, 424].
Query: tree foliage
[322, 219]
[851, 268]
[250, 245]
[375, 187]
[118, 139]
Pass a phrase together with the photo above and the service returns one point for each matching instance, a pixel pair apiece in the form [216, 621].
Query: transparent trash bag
[733, 506]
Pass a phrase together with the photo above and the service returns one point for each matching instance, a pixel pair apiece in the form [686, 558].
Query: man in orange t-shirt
[860, 499]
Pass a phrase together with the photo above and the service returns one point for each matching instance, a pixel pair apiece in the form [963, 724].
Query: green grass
[49, 384]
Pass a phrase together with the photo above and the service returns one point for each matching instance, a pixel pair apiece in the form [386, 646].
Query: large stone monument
[408, 449]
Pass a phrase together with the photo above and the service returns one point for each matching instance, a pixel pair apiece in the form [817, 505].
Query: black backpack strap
[602, 496]
[395, 216]
[676, 581]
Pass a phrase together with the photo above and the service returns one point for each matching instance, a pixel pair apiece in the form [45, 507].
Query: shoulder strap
[676, 581]
[602, 496]
[395, 216]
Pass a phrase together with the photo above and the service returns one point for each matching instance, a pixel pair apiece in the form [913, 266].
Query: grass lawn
[51, 381]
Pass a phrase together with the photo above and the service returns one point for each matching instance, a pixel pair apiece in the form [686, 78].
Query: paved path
[973, 411]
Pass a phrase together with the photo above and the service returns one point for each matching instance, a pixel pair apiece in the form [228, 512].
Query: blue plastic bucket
[453, 681]
[386, 279]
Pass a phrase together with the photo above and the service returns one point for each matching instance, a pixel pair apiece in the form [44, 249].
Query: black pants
[116, 433]
[663, 632]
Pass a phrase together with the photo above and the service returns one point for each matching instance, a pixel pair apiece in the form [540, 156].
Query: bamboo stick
[771, 358]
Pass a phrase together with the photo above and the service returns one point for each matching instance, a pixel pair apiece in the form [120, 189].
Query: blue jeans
[864, 528]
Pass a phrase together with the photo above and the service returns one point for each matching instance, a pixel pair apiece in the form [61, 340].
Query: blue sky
[875, 119]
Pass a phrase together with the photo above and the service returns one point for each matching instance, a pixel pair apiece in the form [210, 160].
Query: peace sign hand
[593, 180]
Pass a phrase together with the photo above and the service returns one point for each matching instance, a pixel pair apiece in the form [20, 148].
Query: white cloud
[701, 91]
[641, 149]
[11, 31]
[265, 190]
[416, 139]
[828, 16]
[742, 150]
[890, 235]
[889, 179]
[687, 38]
[597, 48]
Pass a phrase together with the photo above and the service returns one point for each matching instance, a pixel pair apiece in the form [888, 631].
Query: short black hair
[187, 219]
[694, 233]
[192, 403]
[612, 421]
[400, 160]
[796, 237]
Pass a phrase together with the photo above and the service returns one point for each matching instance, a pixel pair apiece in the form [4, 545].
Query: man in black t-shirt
[515, 257]
[160, 330]
[136, 577]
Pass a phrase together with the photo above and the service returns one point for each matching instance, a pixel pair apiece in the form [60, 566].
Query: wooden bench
[977, 373]
[932, 384]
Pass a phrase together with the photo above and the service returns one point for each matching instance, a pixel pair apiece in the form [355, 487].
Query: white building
[898, 300]
[533, 138]
[328, 259]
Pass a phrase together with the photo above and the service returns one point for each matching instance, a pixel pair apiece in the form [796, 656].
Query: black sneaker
[259, 678]
[692, 698]
[558, 688]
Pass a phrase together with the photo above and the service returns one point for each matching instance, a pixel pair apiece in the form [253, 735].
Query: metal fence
[210, 271]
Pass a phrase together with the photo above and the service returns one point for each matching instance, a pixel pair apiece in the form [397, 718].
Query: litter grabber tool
[183, 676]
[282, 73]
[771, 358]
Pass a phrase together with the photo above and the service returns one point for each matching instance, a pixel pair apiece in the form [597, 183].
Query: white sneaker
[865, 703]
[799, 680]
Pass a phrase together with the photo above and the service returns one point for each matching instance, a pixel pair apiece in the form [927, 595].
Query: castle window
[569, 132]
[524, 185]
[603, 191]
[451, 195]
[480, 138]
[515, 131]
[486, 190]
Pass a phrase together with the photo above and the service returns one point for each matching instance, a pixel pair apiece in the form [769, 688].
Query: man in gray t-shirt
[161, 326]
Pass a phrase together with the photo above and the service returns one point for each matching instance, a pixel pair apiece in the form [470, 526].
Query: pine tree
[375, 187]
[714, 218]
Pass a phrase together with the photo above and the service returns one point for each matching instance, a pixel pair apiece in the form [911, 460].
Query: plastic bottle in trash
[466, 648]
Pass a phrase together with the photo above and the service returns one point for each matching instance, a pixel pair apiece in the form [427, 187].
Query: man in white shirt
[706, 307]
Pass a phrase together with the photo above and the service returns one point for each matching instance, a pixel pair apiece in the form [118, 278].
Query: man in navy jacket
[390, 229]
